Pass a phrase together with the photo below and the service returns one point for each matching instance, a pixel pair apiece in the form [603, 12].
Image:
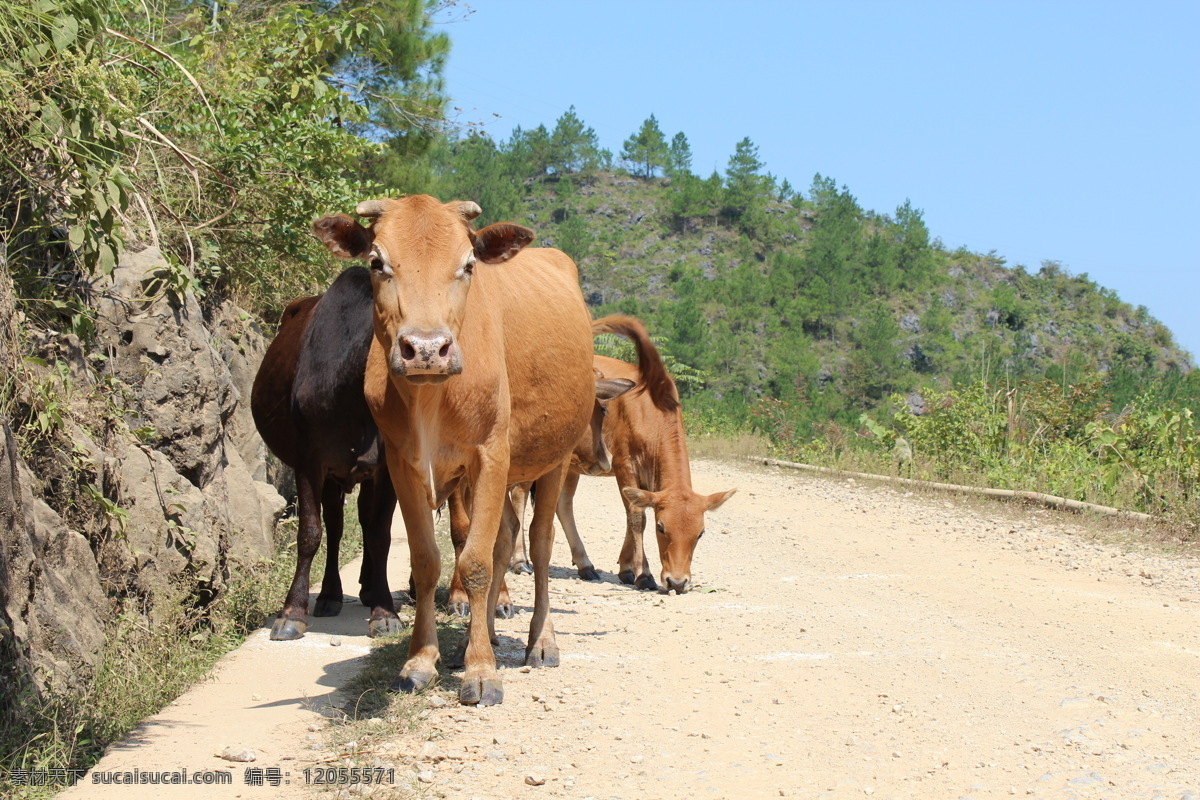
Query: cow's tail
[655, 378]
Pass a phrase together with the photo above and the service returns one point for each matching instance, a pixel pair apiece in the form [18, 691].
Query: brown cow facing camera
[480, 373]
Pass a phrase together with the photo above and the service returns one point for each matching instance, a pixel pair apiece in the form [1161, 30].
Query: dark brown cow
[308, 405]
[480, 372]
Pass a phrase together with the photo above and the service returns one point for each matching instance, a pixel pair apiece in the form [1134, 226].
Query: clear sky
[1042, 130]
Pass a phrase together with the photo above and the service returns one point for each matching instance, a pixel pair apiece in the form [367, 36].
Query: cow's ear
[714, 501]
[498, 243]
[612, 388]
[639, 498]
[344, 237]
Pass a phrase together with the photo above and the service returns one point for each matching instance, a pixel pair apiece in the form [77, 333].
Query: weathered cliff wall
[181, 469]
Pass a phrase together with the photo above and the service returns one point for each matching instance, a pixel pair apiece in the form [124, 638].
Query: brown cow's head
[591, 456]
[679, 523]
[422, 255]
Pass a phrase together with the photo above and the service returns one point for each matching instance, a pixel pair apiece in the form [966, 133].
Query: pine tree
[747, 190]
[646, 151]
[679, 156]
[875, 369]
[530, 151]
[574, 147]
[914, 256]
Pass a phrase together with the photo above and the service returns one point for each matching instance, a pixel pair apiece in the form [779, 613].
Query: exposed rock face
[165, 354]
[189, 474]
[52, 608]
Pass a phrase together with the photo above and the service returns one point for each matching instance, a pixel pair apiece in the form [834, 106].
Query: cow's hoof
[522, 568]
[626, 576]
[542, 655]
[505, 610]
[284, 629]
[589, 574]
[461, 608]
[327, 606]
[646, 581]
[384, 625]
[413, 681]
[481, 692]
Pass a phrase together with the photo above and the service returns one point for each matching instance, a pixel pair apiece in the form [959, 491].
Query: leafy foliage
[217, 137]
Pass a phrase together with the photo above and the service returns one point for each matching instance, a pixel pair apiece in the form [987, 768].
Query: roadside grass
[731, 446]
[155, 649]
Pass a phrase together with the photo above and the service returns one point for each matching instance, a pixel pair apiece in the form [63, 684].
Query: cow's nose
[429, 353]
[680, 586]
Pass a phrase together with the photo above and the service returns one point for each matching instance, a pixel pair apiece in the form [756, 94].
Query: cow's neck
[425, 437]
[673, 467]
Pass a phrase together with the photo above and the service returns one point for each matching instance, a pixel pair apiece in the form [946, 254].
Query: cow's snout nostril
[425, 355]
[679, 587]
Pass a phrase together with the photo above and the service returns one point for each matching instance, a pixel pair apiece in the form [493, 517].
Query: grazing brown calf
[644, 433]
[308, 406]
[480, 372]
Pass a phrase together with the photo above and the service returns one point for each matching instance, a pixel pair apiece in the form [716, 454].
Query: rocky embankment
[153, 417]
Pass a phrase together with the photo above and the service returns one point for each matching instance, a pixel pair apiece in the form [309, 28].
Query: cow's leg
[292, 621]
[376, 504]
[481, 681]
[460, 522]
[421, 668]
[510, 527]
[542, 650]
[500, 558]
[566, 518]
[634, 566]
[519, 495]
[329, 601]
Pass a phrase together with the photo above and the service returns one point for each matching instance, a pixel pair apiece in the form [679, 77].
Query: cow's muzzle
[424, 355]
[678, 586]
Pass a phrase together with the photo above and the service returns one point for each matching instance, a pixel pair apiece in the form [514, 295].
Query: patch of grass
[373, 717]
[731, 446]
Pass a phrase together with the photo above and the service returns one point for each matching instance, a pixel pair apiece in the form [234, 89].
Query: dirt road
[848, 641]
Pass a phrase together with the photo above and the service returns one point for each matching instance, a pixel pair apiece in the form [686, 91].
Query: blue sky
[1051, 130]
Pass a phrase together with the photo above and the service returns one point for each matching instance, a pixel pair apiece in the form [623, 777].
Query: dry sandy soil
[848, 640]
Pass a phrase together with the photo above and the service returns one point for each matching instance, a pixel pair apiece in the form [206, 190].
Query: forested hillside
[802, 296]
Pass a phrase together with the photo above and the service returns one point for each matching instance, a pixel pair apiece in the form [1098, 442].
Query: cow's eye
[376, 262]
[660, 527]
[468, 268]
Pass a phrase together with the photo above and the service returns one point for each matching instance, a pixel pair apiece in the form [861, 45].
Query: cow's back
[327, 397]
